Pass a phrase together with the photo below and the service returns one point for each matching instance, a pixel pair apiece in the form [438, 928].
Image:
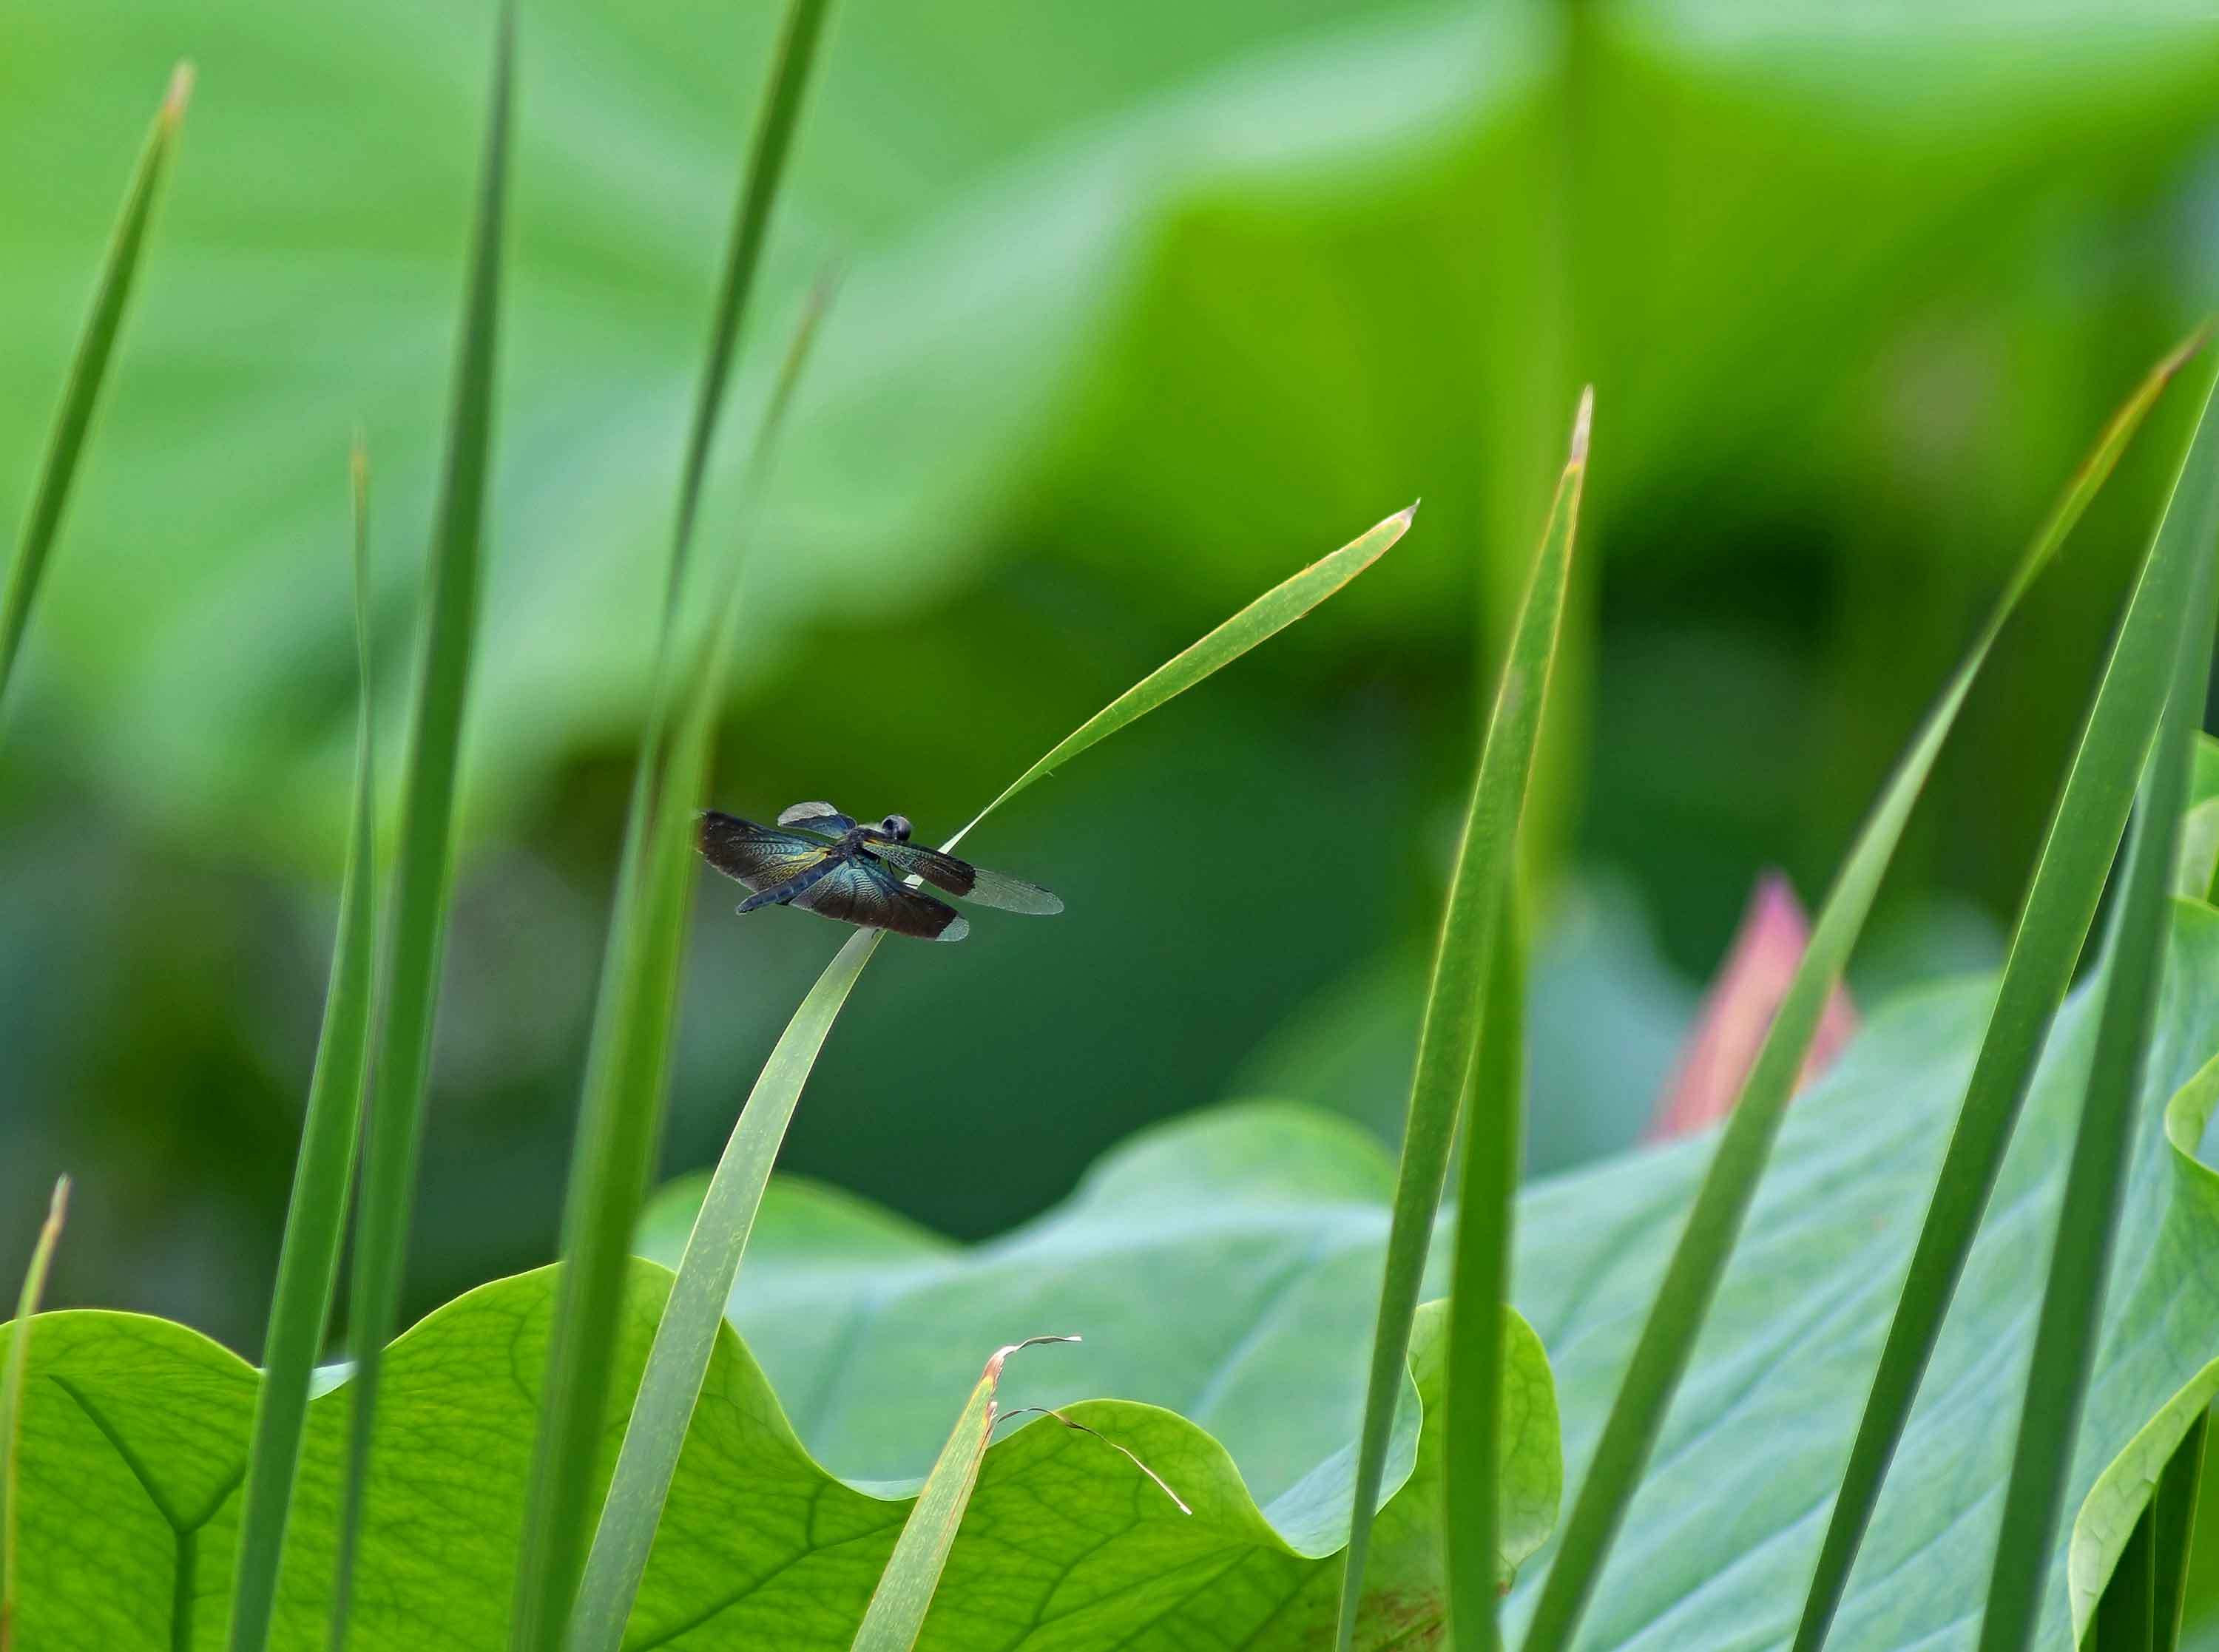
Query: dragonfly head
[897, 827]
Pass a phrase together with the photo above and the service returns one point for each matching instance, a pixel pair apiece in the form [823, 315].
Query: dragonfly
[825, 862]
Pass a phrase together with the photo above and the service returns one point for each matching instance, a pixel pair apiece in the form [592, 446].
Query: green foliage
[1269, 614]
[620, 1116]
[1034, 275]
[1486, 1194]
[148, 1422]
[416, 911]
[323, 1178]
[11, 1399]
[1718, 1542]
[87, 370]
[1684, 1299]
[868, 1325]
[706, 1260]
[904, 1594]
[2059, 906]
[156, 1469]
[1041, 396]
[1458, 1009]
[712, 1253]
[2088, 1218]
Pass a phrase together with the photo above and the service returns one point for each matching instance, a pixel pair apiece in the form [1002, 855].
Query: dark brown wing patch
[944, 871]
[761, 857]
[869, 897]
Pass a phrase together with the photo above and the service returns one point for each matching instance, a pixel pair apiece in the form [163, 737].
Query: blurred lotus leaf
[1150, 294]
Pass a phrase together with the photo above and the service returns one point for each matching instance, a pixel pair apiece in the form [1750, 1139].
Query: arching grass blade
[896, 1614]
[11, 1397]
[679, 1358]
[417, 912]
[1713, 1224]
[315, 1220]
[695, 1309]
[1455, 1005]
[625, 1090]
[2053, 919]
[1274, 611]
[87, 370]
[2088, 1218]
[1471, 1453]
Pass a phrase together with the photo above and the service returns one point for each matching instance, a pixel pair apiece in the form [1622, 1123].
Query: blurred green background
[1144, 307]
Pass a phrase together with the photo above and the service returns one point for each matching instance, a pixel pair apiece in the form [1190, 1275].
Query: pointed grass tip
[1581, 422]
[179, 95]
[2185, 351]
[58, 1207]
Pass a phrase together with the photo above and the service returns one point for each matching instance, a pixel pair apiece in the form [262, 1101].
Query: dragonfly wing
[944, 871]
[868, 895]
[961, 877]
[817, 818]
[761, 857]
[1013, 894]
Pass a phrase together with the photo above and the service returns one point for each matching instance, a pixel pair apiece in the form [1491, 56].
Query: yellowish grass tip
[179, 95]
[2186, 349]
[58, 1207]
[1581, 422]
[1407, 513]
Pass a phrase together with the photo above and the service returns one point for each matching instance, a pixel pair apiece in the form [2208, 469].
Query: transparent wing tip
[955, 931]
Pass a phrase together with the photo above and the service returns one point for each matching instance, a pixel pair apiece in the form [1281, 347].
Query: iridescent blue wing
[761, 857]
[961, 878]
[869, 897]
[817, 818]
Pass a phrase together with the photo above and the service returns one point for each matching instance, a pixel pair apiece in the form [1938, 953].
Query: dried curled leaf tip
[993, 1371]
[1131, 1456]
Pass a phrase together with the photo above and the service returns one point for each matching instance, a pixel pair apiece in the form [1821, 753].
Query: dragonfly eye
[897, 827]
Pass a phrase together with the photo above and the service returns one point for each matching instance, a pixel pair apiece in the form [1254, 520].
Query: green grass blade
[1700, 1258]
[1456, 1000]
[2087, 1221]
[679, 1358]
[80, 391]
[773, 136]
[417, 912]
[2175, 1532]
[1472, 1449]
[315, 1220]
[655, 1432]
[1276, 609]
[2060, 905]
[627, 1089]
[896, 1614]
[11, 1397]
